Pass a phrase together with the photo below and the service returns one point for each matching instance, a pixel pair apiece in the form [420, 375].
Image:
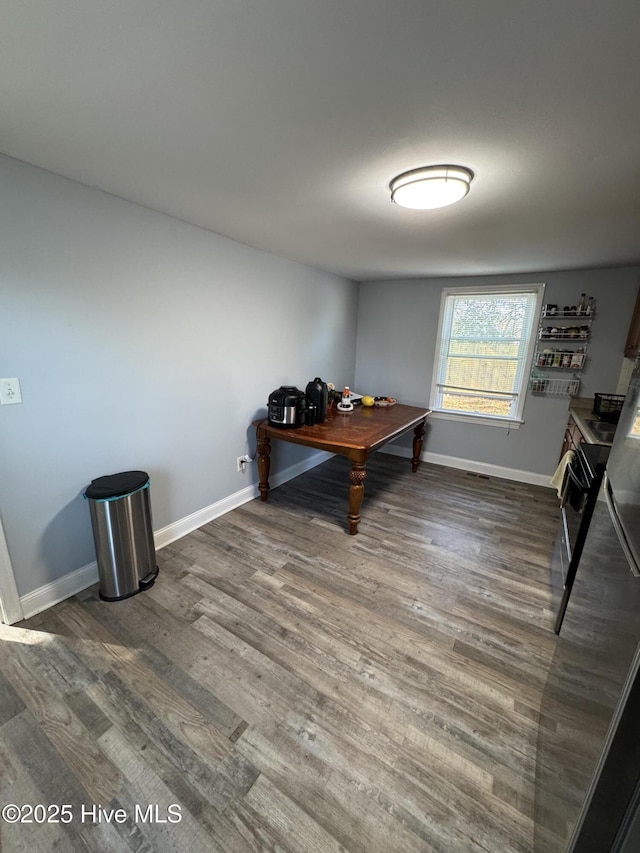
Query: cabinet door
[632, 348]
[572, 437]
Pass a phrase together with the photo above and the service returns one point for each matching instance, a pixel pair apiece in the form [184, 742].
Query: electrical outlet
[241, 462]
[10, 392]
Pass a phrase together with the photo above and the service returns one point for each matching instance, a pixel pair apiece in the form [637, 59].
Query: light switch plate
[10, 392]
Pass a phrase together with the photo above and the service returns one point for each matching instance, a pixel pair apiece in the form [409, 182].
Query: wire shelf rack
[560, 359]
[554, 387]
[549, 313]
[564, 333]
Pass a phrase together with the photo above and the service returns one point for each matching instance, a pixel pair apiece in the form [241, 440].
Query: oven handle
[584, 487]
[633, 566]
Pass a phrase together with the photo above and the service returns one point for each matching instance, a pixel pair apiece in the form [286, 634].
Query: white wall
[140, 342]
[397, 329]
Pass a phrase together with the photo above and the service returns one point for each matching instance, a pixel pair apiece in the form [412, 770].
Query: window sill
[483, 420]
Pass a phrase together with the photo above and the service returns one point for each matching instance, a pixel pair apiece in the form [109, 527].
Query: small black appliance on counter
[318, 395]
[287, 407]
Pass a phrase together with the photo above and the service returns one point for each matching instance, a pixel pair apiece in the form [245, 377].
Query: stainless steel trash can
[120, 510]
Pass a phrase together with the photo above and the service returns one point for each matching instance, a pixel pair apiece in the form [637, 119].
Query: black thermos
[318, 394]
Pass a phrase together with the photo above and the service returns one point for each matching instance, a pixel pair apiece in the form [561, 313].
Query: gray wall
[143, 342]
[140, 342]
[397, 329]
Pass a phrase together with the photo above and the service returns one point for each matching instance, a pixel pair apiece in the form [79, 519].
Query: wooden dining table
[355, 434]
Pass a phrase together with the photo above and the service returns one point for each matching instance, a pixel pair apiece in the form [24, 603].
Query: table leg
[264, 463]
[418, 436]
[357, 477]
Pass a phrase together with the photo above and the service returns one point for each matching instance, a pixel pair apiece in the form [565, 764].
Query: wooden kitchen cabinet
[572, 437]
[632, 347]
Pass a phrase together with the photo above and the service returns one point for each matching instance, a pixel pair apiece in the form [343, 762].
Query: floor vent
[480, 476]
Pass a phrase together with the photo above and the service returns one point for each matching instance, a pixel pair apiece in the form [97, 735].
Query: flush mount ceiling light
[431, 187]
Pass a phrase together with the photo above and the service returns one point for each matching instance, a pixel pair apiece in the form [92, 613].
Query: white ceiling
[280, 122]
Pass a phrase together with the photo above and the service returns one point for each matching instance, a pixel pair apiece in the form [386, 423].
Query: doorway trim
[10, 606]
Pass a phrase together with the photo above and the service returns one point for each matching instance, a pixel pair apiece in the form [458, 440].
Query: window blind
[484, 351]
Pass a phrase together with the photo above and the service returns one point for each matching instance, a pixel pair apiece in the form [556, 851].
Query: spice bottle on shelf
[577, 359]
[582, 305]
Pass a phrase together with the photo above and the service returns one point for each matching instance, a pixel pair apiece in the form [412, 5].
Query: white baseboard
[180, 528]
[471, 465]
[52, 593]
[70, 584]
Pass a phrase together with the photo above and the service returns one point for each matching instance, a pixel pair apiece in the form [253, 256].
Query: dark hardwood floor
[289, 687]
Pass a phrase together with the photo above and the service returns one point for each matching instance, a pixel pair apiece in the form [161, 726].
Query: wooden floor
[287, 687]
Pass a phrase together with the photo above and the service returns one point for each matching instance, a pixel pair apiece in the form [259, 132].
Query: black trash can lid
[116, 485]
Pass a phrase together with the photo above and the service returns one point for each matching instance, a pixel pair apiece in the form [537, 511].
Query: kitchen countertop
[581, 410]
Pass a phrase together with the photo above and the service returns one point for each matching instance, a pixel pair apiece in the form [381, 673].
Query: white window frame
[509, 422]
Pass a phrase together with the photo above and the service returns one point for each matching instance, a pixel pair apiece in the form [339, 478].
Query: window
[484, 352]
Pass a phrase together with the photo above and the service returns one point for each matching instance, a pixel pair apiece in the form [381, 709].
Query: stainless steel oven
[582, 480]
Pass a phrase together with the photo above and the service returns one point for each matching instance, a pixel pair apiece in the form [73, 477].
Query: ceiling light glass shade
[431, 186]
